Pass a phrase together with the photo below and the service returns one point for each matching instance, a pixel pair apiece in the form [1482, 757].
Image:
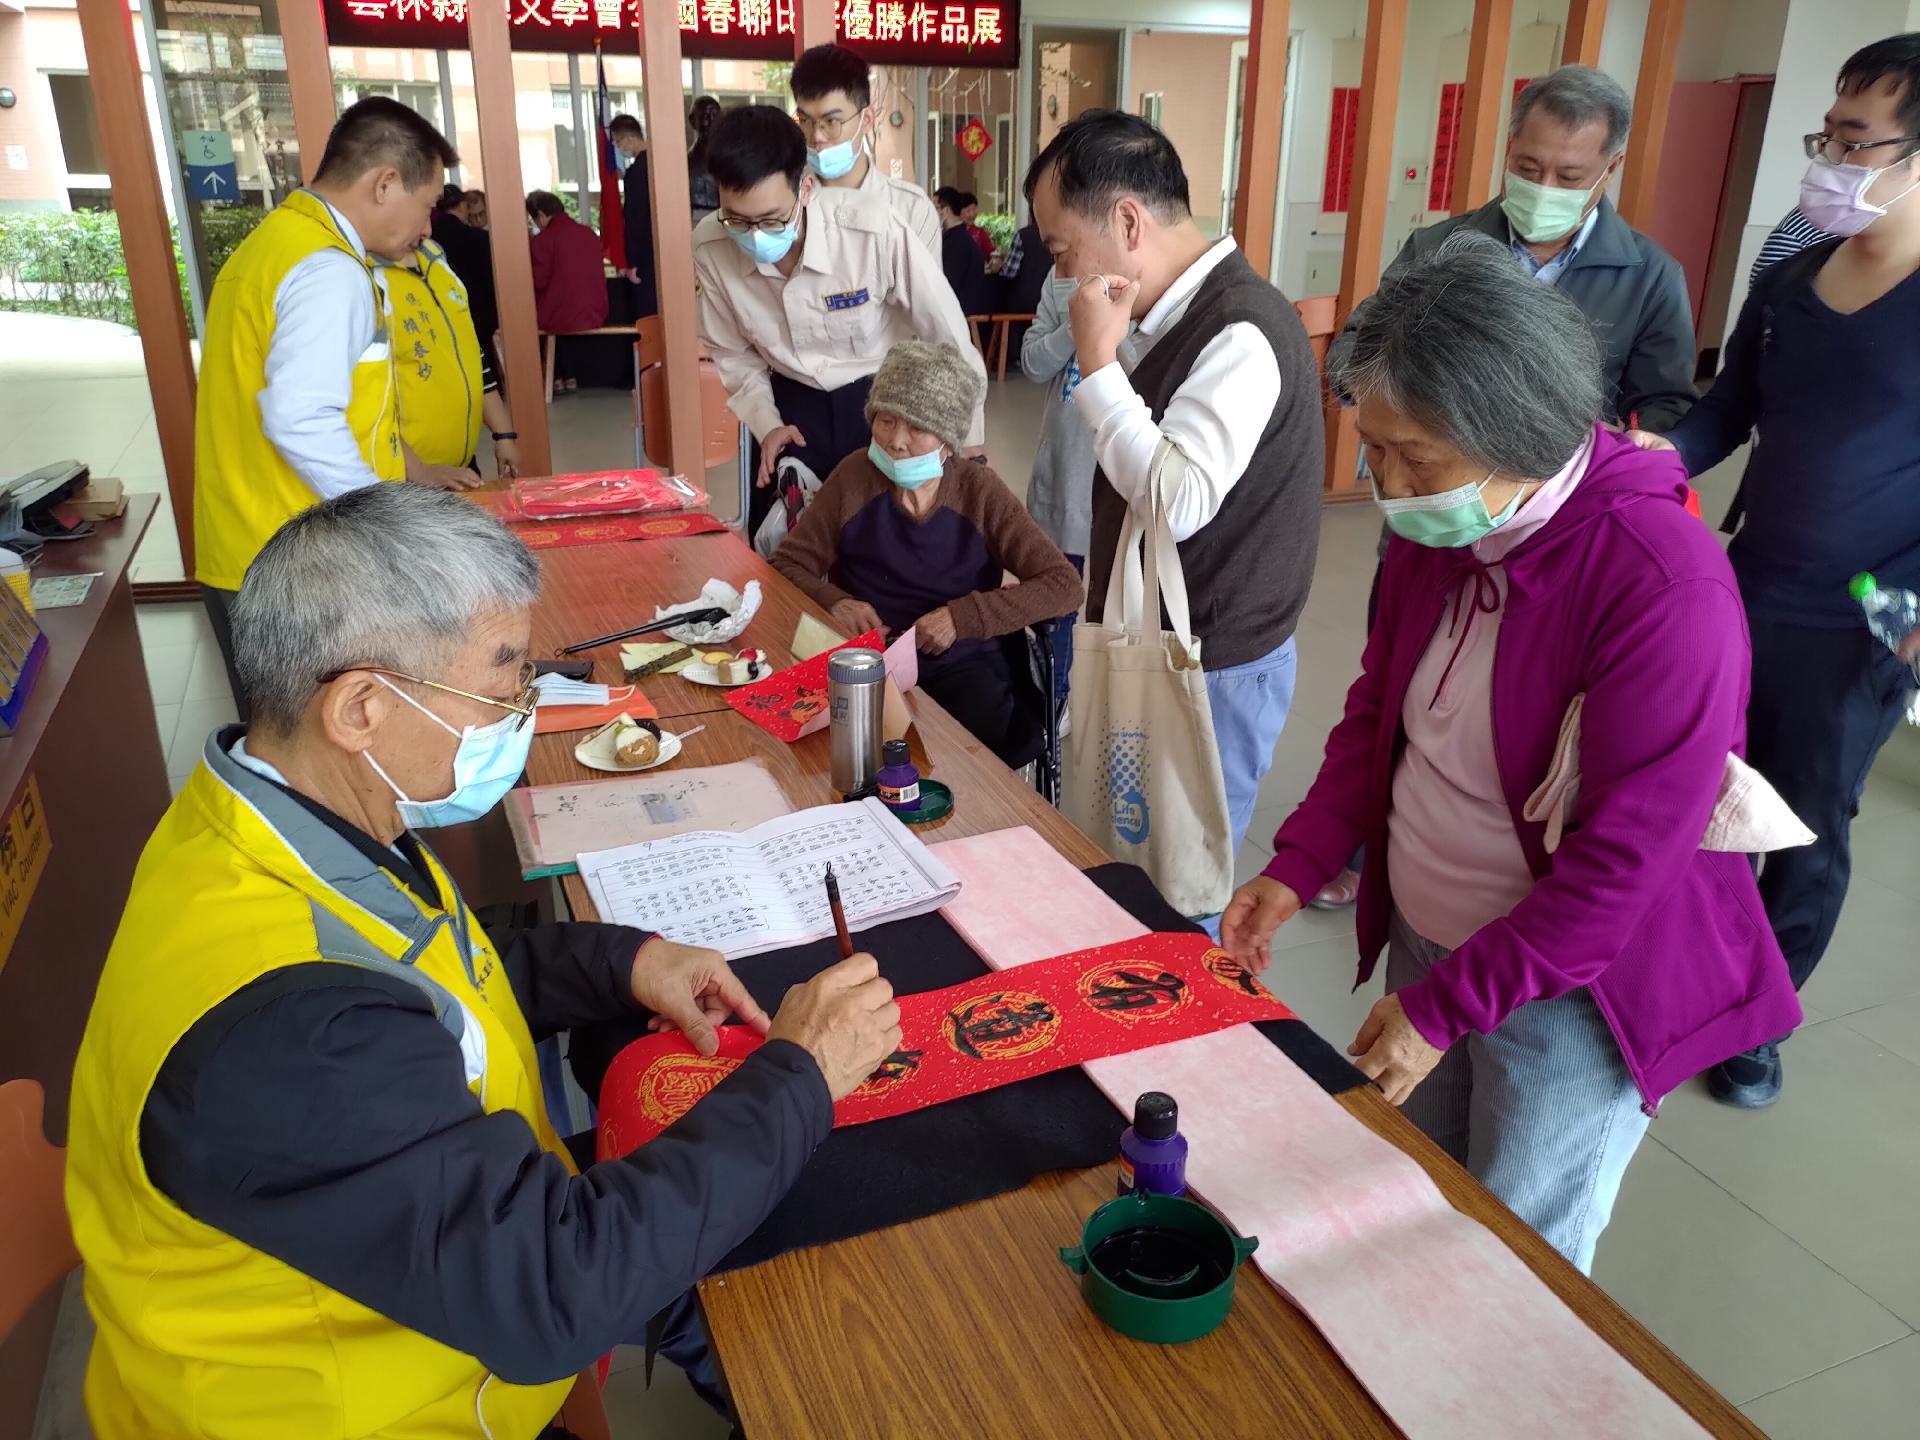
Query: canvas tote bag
[1142, 775]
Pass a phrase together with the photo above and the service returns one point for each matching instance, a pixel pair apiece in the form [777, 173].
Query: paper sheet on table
[553, 824]
[1443, 1324]
[812, 639]
[763, 889]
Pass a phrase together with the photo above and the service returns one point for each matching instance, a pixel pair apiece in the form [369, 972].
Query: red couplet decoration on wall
[1341, 133]
[1011, 1025]
[973, 139]
[1446, 147]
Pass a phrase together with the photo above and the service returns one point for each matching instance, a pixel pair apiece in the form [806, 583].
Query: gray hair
[389, 576]
[1576, 96]
[1474, 350]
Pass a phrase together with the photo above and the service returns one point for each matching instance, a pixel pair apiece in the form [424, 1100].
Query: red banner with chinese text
[982, 34]
[988, 1032]
[560, 534]
[1343, 126]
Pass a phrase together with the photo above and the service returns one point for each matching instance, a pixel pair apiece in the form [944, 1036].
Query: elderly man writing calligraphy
[311, 1171]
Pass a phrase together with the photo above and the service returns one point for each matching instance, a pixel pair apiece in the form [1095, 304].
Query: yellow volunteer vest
[198, 1334]
[436, 358]
[243, 490]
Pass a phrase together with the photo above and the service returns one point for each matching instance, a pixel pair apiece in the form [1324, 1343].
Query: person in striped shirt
[1792, 235]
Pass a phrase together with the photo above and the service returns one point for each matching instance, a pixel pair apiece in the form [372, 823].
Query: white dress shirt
[863, 284]
[1211, 425]
[325, 323]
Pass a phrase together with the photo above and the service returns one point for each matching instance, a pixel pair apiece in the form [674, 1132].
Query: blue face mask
[485, 766]
[768, 249]
[832, 161]
[910, 473]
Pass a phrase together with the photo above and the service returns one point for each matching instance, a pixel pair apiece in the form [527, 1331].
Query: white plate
[596, 752]
[701, 673]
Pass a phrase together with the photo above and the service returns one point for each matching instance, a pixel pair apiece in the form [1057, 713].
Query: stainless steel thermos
[856, 686]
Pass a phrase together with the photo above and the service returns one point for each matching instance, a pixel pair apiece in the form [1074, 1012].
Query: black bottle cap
[1155, 1116]
[895, 752]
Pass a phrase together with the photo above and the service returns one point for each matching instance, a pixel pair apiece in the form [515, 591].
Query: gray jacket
[1060, 494]
[1634, 293]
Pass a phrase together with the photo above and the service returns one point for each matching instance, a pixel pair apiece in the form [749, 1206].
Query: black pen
[685, 617]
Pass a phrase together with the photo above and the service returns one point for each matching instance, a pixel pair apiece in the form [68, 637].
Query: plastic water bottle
[1892, 615]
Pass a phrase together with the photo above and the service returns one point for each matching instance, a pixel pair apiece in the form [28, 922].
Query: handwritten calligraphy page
[763, 888]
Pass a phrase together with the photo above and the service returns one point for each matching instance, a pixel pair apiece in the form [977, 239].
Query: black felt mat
[887, 1172]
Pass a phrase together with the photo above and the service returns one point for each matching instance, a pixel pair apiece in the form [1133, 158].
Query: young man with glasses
[833, 101]
[1824, 369]
[803, 290]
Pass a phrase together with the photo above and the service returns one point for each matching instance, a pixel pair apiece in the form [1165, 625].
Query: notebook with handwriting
[761, 889]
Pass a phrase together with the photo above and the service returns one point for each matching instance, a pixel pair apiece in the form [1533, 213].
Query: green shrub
[1000, 226]
[59, 263]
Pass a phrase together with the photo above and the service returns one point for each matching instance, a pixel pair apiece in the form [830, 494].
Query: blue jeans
[1250, 704]
[1542, 1111]
[1060, 635]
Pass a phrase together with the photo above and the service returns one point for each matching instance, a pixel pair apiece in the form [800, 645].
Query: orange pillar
[512, 260]
[1257, 197]
[113, 67]
[684, 451]
[1652, 100]
[303, 26]
[1366, 211]
[1480, 105]
[813, 25]
[1586, 19]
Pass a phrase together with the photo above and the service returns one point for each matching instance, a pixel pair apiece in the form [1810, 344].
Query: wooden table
[966, 1323]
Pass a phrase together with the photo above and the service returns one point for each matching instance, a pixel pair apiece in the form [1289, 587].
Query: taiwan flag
[613, 230]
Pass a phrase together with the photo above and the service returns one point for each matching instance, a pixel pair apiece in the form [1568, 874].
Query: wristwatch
[506, 434]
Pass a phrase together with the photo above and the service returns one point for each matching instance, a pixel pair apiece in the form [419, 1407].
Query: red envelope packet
[791, 703]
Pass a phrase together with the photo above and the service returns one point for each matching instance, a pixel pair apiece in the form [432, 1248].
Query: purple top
[905, 568]
[1627, 599]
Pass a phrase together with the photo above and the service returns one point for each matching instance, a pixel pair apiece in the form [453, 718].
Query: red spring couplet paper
[602, 493]
[562, 534]
[972, 1037]
[792, 702]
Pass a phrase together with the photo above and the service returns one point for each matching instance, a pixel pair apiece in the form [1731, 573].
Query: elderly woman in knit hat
[912, 535]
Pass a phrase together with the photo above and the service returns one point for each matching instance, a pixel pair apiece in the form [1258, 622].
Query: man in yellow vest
[297, 386]
[310, 1169]
[445, 383]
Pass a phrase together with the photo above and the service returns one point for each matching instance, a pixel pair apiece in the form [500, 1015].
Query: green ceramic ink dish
[1158, 1268]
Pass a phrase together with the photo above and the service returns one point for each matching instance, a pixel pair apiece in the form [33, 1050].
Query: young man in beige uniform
[833, 101]
[803, 290]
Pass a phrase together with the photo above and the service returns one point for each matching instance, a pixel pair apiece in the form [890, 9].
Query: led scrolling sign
[896, 32]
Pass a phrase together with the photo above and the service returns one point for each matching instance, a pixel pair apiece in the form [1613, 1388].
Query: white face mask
[1834, 197]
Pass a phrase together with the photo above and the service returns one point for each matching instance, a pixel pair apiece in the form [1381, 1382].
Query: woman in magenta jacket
[1539, 1005]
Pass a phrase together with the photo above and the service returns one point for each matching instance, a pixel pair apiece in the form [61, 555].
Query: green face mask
[1447, 521]
[1539, 213]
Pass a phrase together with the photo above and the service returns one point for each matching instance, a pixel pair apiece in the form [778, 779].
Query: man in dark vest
[1220, 375]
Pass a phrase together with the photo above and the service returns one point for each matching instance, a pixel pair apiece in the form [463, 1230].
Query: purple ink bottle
[899, 780]
[1153, 1152]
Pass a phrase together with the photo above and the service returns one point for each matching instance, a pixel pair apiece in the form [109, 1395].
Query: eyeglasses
[826, 127]
[1838, 152]
[765, 227]
[521, 704]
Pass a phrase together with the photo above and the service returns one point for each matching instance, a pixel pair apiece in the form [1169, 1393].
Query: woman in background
[701, 186]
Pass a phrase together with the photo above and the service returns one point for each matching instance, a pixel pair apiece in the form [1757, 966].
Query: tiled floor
[1775, 1252]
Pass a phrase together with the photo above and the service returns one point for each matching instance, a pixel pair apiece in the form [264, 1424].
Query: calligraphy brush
[839, 915]
[685, 617]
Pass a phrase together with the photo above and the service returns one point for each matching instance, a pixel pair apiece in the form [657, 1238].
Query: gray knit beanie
[931, 387]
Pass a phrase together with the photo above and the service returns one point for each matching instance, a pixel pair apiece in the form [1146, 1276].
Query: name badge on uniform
[847, 300]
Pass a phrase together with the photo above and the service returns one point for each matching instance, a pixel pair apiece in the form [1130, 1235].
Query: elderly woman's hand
[1390, 1052]
[691, 990]
[933, 633]
[1258, 909]
[856, 617]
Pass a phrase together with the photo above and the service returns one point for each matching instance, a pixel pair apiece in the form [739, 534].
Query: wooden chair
[974, 324]
[1003, 335]
[36, 1242]
[720, 432]
[1317, 314]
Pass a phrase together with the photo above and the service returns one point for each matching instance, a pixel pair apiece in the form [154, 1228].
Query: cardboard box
[105, 498]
